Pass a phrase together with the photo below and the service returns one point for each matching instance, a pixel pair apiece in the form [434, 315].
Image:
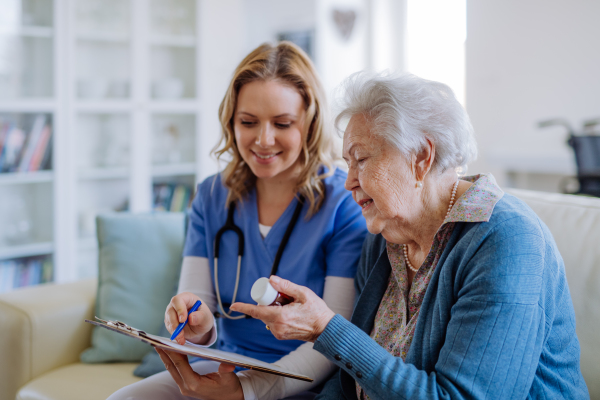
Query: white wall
[222, 46]
[528, 61]
[387, 42]
[230, 29]
[337, 58]
[266, 18]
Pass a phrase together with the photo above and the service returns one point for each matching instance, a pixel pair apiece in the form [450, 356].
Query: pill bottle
[265, 295]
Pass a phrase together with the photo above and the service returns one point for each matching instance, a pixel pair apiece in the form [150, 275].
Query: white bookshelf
[15, 178]
[174, 170]
[103, 173]
[108, 37]
[174, 41]
[120, 76]
[27, 31]
[27, 250]
[120, 70]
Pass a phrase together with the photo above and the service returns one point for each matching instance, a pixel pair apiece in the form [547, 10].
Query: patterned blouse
[398, 311]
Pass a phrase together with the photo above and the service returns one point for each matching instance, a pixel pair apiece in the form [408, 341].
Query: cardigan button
[349, 365]
[338, 357]
[358, 374]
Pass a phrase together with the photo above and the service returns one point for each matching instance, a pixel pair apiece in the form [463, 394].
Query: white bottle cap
[263, 293]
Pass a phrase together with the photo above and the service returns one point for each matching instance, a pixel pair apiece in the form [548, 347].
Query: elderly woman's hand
[304, 319]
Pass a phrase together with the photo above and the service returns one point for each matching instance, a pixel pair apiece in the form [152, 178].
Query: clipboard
[202, 352]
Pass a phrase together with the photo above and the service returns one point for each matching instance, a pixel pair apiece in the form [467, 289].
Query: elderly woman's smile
[374, 174]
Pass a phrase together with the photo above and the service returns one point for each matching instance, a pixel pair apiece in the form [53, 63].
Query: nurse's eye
[247, 123]
[283, 126]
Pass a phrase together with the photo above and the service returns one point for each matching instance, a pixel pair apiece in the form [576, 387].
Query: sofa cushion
[575, 225]
[151, 363]
[79, 381]
[139, 263]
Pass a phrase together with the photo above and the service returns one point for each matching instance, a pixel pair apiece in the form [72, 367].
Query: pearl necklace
[405, 247]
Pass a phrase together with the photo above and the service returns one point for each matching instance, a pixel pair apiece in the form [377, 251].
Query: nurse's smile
[269, 127]
[263, 158]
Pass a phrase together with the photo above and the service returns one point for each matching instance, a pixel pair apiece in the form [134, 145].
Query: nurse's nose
[266, 136]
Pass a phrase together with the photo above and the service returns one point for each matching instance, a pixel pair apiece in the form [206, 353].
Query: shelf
[174, 169]
[174, 41]
[26, 250]
[13, 178]
[104, 173]
[104, 105]
[118, 38]
[28, 31]
[181, 106]
[28, 106]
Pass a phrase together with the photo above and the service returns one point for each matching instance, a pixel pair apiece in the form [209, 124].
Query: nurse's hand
[304, 319]
[200, 322]
[221, 385]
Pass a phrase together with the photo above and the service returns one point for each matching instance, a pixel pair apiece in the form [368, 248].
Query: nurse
[279, 151]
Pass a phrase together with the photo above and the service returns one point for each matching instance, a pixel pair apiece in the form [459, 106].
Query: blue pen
[180, 327]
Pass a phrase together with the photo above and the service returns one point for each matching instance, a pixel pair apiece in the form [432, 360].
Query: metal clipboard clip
[123, 327]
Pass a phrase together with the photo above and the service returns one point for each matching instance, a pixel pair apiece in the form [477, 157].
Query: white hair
[405, 110]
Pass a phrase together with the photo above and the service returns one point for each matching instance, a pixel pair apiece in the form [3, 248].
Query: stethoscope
[231, 226]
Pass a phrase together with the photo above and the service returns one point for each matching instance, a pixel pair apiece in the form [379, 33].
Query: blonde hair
[288, 64]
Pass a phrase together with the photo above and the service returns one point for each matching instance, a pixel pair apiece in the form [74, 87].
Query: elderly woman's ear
[423, 160]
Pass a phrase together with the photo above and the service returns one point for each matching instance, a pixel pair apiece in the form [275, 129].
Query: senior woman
[461, 290]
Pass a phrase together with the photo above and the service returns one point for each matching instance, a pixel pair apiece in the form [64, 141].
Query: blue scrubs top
[328, 244]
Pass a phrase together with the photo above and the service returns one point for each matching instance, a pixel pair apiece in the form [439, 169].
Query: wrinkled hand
[304, 319]
[221, 385]
[200, 322]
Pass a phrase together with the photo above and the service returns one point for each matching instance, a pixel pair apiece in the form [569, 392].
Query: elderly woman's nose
[351, 179]
[266, 136]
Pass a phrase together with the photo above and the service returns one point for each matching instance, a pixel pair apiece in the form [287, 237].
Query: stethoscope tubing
[231, 226]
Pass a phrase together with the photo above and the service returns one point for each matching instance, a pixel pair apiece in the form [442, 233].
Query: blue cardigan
[497, 320]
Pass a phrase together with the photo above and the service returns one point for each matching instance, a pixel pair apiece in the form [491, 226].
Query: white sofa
[42, 331]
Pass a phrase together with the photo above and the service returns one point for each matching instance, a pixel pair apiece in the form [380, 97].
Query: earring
[419, 184]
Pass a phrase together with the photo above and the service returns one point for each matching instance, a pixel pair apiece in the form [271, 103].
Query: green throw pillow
[139, 264]
[151, 363]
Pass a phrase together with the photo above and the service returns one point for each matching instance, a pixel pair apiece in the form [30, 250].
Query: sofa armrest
[42, 328]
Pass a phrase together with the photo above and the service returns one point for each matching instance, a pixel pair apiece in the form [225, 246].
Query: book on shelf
[172, 197]
[35, 164]
[22, 152]
[22, 275]
[8, 270]
[32, 141]
[47, 270]
[11, 149]
[25, 272]
[4, 129]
